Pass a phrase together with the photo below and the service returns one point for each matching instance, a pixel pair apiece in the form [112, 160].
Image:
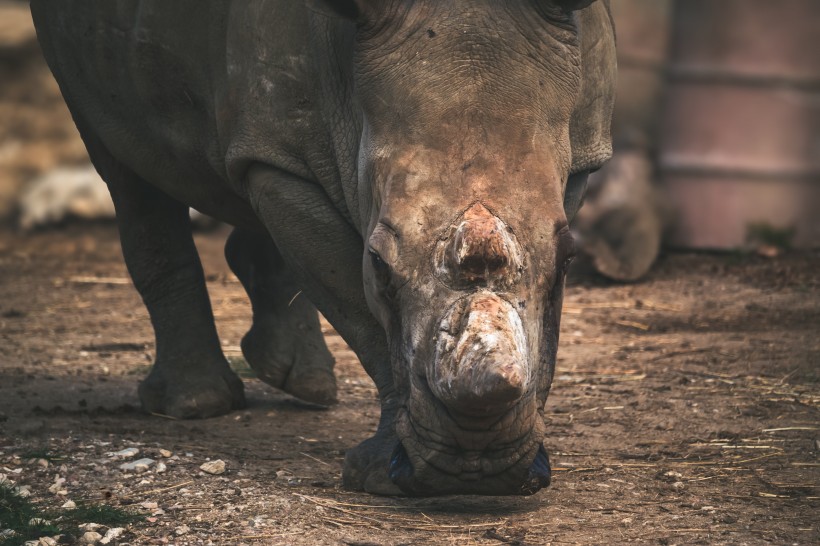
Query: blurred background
[716, 132]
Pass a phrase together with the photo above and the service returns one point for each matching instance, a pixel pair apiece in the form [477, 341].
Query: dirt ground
[685, 410]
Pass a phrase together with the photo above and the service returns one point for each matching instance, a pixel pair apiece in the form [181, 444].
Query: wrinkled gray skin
[410, 165]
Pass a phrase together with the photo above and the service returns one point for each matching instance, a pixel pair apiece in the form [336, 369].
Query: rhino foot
[366, 466]
[297, 366]
[205, 392]
[285, 346]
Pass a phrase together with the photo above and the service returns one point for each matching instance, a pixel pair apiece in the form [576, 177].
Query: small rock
[148, 505]
[23, 491]
[43, 463]
[111, 534]
[161, 468]
[127, 453]
[89, 526]
[673, 474]
[165, 453]
[258, 521]
[31, 543]
[90, 537]
[69, 505]
[46, 541]
[678, 485]
[182, 530]
[140, 465]
[57, 485]
[213, 467]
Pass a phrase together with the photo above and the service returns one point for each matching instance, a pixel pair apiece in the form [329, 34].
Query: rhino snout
[480, 366]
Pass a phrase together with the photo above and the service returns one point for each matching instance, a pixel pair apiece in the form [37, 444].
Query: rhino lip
[537, 476]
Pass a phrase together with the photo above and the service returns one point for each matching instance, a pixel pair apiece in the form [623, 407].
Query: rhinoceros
[409, 165]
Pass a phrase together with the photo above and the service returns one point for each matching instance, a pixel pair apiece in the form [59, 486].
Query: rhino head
[481, 120]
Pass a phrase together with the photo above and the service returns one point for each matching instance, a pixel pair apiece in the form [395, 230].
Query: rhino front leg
[325, 251]
[285, 346]
[190, 377]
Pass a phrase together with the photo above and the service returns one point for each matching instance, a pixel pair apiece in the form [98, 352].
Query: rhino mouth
[506, 457]
[526, 480]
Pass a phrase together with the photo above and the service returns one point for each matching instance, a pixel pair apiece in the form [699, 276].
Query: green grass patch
[30, 522]
[761, 232]
[42, 453]
[240, 366]
[20, 515]
[99, 513]
[142, 370]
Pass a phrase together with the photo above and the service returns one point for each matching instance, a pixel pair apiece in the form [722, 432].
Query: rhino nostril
[539, 473]
[400, 467]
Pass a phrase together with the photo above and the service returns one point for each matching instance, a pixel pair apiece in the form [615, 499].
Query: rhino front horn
[480, 367]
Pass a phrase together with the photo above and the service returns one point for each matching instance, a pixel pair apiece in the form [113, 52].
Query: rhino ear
[572, 5]
[349, 9]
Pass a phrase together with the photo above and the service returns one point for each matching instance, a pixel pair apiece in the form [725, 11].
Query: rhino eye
[380, 268]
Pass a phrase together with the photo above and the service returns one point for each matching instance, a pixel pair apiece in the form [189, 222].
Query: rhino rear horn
[481, 248]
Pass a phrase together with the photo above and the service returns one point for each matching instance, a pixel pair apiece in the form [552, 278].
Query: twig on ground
[320, 461]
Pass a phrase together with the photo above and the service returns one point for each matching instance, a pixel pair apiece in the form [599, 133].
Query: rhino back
[187, 93]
